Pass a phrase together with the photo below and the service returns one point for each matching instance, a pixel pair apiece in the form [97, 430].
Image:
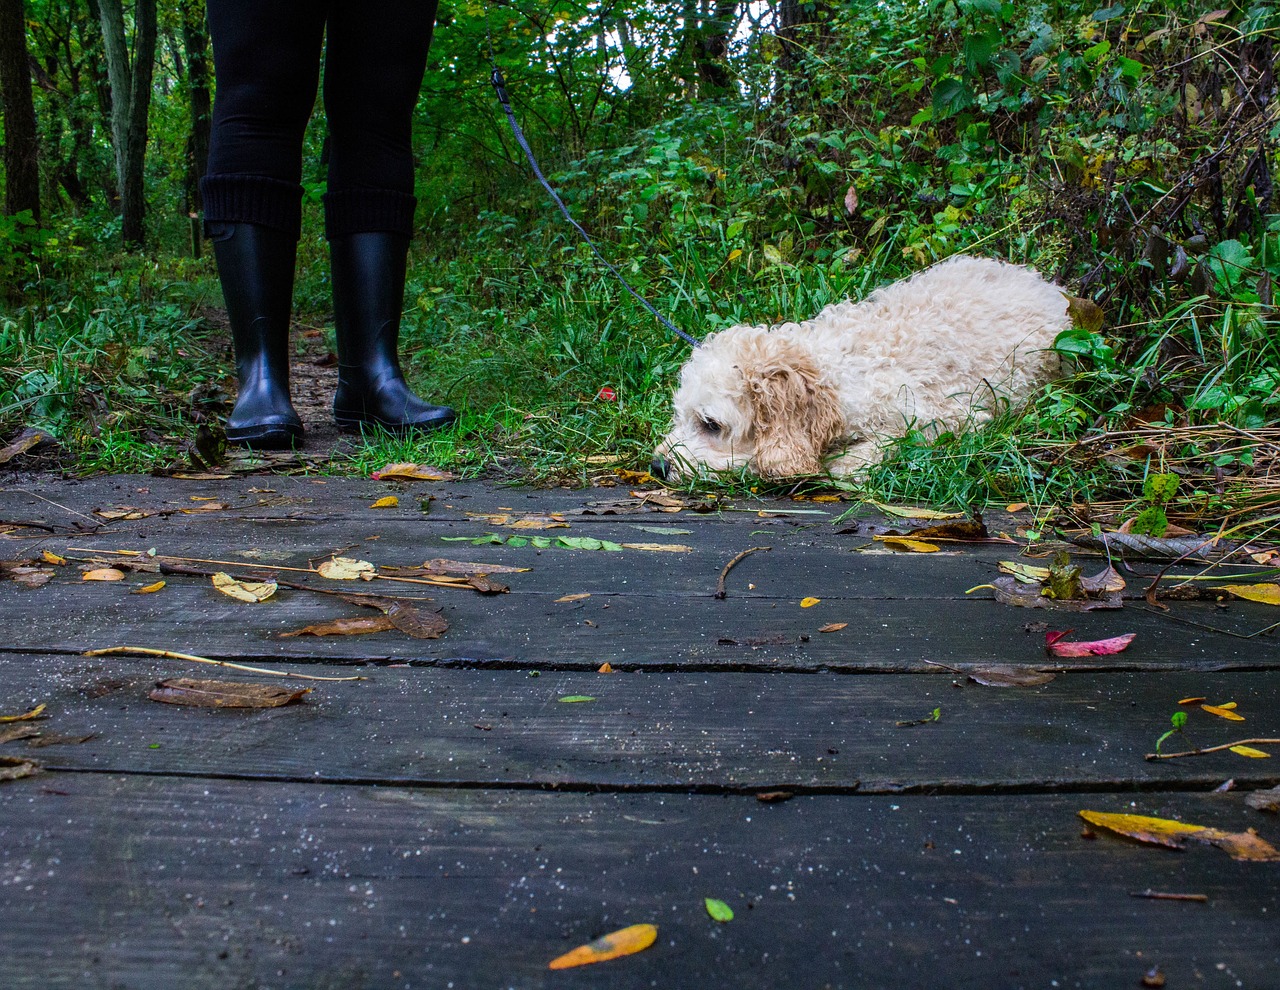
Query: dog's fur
[939, 351]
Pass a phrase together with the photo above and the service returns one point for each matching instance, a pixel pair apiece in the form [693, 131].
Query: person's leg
[376, 54]
[266, 61]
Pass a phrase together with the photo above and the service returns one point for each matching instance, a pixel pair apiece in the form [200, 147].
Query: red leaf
[607, 394]
[1098, 648]
[1052, 636]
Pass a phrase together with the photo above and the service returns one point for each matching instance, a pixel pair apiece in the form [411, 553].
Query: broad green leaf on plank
[224, 694]
[1222, 711]
[1250, 752]
[580, 542]
[570, 699]
[386, 502]
[102, 574]
[345, 627]
[406, 471]
[244, 591]
[624, 942]
[517, 541]
[1267, 594]
[347, 569]
[540, 542]
[718, 909]
[25, 716]
[911, 512]
[1173, 834]
[15, 768]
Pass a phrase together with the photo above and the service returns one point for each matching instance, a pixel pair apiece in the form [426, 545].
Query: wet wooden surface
[450, 821]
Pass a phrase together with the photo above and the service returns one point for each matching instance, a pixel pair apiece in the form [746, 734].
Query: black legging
[266, 57]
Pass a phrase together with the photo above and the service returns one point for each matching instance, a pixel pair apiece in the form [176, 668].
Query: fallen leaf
[1015, 507]
[102, 574]
[1056, 647]
[127, 513]
[244, 591]
[52, 558]
[1249, 751]
[148, 589]
[1264, 800]
[18, 732]
[1172, 834]
[659, 547]
[30, 577]
[574, 598]
[605, 668]
[407, 471]
[809, 602]
[910, 546]
[439, 567]
[347, 569]
[408, 619]
[57, 739]
[1012, 591]
[911, 512]
[211, 507]
[345, 627]
[718, 909]
[663, 530]
[965, 531]
[27, 439]
[624, 942]
[223, 694]
[850, 200]
[1267, 594]
[1190, 701]
[570, 699]
[15, 767]
[1007, 675]
[25, 716]
[774, 797]
[1222, 711]
[833, 627]
[386, 502]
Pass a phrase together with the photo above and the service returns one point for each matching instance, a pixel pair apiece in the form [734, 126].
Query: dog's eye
[709, 426]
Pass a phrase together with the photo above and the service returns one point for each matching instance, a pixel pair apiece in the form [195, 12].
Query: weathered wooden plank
[723, 732]
[161, 882]
[529, 627]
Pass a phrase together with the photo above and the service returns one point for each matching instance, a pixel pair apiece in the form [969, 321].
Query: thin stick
[1159, 895]
[171, 655]
[1213, 749]
[720, 592]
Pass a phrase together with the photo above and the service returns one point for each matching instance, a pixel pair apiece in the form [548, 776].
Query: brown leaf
[223, 694]
[345, 627]
[574, 598]
[851, 200]
[1264, 800]
[774, 797]
[407, 471]
[440, 565]
[57, 739]
[18, 732]
[244, 591]
[487, 586]
[30, 577]
[833, 627]
[1166, 832]
[1007, 675]
[1010, 591]
[965, 530]
[1085, 314]
[405, 617]
[15, 767]
[27, 439]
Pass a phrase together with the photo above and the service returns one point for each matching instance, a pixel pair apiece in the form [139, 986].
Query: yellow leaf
[1165, 832]
[407, 471]
[1249, 751]
[347, 569]
[911, 546]
[1222, 712]
[809, 602]
[1191, 701]
[52, 558]
[1229, 705]
[102, 574]
[244, 591]
[386, 502]
[574, 598]
[605, 668]
[1026, 573]
[833, 627]
[1015, 507]
[149, 589]
[1267, 594]
[624, 942]
[34, 713]
[911, 512]
[734, 255]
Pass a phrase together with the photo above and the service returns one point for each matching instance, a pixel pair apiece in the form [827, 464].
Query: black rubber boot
[368, 297]
[255, 265]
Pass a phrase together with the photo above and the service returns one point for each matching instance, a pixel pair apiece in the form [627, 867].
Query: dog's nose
[658, 467]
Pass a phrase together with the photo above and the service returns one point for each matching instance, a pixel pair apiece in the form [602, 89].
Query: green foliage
[1179, 721]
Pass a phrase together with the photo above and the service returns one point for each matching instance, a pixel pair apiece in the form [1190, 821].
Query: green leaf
[1108, 13]
[950, 96]
[570, 699]
[718, 909]
[1151, 521]
[1229, 262]
[541, 542]
[579, 542]
[1159, 488]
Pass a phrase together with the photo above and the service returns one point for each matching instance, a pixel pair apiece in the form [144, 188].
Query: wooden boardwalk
[450, 821]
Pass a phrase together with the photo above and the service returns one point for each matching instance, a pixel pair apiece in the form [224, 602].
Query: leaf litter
[624, 942]
[1172, 834]
[224, 694]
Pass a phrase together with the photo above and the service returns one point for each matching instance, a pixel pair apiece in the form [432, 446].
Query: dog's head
[750, 398]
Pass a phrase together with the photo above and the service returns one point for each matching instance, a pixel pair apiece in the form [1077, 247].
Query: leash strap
[500, 87]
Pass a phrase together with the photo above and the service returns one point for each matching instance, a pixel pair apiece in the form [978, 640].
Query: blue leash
[500, 87]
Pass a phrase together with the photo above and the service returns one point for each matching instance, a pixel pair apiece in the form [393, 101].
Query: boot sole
[266, 437]
[356, 424]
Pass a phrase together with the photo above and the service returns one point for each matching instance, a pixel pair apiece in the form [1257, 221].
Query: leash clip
[500, 85]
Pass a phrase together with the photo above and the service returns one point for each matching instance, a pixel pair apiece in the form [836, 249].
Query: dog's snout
[659, 467]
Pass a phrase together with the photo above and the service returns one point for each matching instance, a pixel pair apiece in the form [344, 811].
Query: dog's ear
[796, 416]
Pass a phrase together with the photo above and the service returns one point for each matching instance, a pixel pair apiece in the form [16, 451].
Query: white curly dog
[942, 350]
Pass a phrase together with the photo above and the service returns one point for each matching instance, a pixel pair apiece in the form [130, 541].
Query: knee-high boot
[368, 298]
[255, 266]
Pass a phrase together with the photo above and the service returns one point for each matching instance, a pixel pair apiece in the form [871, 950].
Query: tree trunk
[21, 160]
[130, 101]
[195, 40]
[711, 50]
